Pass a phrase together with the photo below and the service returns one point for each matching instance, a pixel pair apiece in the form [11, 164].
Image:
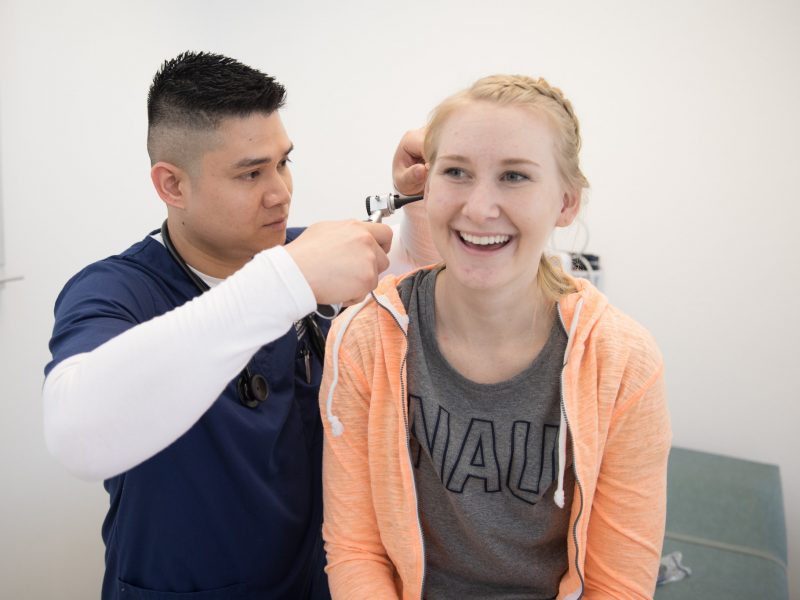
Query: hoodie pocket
[133, 592]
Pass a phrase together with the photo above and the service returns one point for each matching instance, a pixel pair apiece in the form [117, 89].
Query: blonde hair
[538, 95]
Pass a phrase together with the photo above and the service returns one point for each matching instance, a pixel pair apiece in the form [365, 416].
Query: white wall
[690, 115]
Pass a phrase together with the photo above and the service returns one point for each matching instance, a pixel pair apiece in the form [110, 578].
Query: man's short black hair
[195, 91]
[203, 87]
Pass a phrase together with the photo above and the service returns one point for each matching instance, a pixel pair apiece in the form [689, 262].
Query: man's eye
[284, 162]
[252, 175]
[514, 177]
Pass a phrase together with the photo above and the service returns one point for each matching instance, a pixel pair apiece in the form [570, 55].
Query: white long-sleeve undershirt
[108, 410]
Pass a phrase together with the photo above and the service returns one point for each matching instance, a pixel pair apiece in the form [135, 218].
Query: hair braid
[545, 89]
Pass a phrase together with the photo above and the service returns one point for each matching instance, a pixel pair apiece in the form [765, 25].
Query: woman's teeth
[484, 240]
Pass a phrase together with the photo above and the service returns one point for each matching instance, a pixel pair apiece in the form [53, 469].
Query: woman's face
[494, 195]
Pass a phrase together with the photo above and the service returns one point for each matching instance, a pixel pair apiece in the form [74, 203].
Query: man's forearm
[107, 410]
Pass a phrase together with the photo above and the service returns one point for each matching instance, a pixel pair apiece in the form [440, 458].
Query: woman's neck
[493, 335]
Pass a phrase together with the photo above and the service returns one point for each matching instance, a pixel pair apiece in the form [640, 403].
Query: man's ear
[171, 183]
[570, 206]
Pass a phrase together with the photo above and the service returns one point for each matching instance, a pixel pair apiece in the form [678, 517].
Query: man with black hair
[199, 408]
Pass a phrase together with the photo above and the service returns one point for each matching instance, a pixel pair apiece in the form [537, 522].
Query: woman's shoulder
[629, 352]
[377, 320]
[616, 335]
[624, 328]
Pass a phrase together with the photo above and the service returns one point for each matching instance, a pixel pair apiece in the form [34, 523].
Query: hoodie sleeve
[626, 528]
[358, 565]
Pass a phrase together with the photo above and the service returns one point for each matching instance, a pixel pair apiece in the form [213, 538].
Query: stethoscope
[252, 388]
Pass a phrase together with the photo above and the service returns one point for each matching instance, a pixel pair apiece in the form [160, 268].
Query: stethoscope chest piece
[253, 389]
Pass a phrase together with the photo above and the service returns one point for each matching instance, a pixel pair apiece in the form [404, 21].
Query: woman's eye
[454, 172]
[514, 177]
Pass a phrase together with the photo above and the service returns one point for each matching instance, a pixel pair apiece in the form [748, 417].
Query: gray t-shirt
[485, 462]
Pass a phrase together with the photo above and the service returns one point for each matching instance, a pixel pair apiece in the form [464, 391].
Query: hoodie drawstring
[337, 427]
[562, 427]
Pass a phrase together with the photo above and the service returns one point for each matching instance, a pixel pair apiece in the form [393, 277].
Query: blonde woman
[493, 427]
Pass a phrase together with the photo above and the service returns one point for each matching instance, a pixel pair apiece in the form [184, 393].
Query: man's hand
[341, 260]
[408, 165]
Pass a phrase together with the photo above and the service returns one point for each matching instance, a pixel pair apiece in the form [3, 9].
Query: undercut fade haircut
[193, 92]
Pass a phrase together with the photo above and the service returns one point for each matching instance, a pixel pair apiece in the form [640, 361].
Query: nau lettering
[459, 457]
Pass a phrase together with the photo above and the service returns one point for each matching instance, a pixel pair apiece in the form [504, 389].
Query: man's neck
[200, 260]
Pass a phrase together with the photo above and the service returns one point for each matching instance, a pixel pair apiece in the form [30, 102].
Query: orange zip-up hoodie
[612, 403]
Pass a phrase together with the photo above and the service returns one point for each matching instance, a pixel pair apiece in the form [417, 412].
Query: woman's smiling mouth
[483, 242]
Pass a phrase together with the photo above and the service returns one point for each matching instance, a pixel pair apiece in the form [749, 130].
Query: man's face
[238, 193]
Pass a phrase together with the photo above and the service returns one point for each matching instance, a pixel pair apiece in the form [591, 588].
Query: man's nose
[277, 192]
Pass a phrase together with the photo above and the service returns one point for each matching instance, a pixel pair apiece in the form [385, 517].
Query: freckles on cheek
[436, 210]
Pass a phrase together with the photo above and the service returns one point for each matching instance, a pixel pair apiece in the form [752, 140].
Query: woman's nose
[480, 204]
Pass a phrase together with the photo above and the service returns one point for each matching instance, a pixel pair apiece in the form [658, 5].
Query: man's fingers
[407, 176]
[342, 259]
[382, 234]
[383, 264]
[417, 174]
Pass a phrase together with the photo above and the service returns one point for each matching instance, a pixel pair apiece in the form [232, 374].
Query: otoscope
[377, 208]
[383, 206]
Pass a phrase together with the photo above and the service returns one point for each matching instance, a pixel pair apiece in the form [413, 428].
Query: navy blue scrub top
[233, 508]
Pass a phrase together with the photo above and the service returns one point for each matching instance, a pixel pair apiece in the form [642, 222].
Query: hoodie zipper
[404, 403]
[574, 469]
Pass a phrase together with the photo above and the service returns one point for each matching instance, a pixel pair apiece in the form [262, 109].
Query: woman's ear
[571, 204]
[427, 179]
[171, 183]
